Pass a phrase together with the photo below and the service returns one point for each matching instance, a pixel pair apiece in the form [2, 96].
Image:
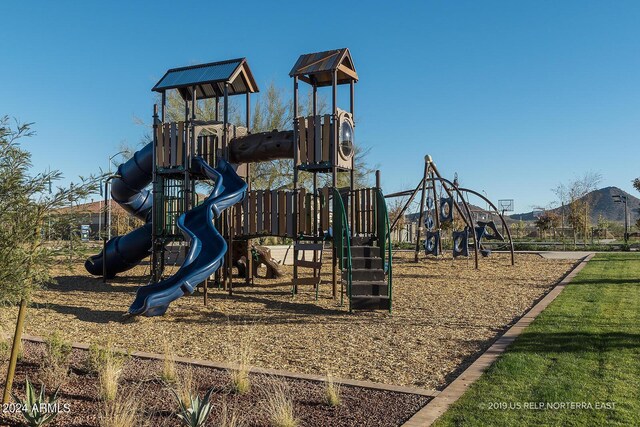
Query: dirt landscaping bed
[157, 405]
[445, 313]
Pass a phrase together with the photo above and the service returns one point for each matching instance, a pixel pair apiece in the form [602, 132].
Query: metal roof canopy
[209, 79]
[317, 68]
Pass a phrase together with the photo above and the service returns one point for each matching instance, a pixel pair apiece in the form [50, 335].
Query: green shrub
[99, 356]
[197, 411]
[55, 365]
[38, 410]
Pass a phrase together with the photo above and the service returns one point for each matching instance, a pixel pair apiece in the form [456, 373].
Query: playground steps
[369, 289]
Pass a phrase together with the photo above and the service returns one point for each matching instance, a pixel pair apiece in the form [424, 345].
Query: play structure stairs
[369, 288]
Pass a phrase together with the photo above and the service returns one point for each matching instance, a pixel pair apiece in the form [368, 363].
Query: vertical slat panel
[311, 144]
[325, 209]
[274, 213]
[173, 145]
[245, 214]
[159, 146]
[165, 145]
[317, 137]
[267, 211]
[302, 133]
[309, 209]
[290, 218]
[252, 212]
[302, 212]
[326, 138]
[180, 147]
[282, 214]
[259, 212]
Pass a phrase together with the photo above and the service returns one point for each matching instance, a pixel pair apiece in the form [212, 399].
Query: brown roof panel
[318, 67]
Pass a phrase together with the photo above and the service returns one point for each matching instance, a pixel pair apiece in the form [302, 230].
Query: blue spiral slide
[207, 246]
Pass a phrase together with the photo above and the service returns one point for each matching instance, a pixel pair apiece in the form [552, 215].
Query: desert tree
[27, 199]
[548, 221]
[575, 195]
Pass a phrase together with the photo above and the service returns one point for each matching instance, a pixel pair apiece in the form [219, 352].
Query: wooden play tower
[349, 224]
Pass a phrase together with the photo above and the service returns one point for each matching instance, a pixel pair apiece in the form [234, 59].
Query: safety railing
[384, 240]
[342, 242]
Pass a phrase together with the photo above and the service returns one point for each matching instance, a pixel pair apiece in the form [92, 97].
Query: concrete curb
[438, 406]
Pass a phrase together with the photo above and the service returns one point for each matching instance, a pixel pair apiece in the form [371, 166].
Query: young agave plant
[198, 411]
[36, 409]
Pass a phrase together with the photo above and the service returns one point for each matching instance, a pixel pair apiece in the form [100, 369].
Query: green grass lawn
[583, 351]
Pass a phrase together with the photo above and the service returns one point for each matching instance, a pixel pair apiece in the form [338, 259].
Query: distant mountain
[601, 203]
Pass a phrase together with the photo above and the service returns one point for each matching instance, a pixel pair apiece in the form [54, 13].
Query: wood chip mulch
[445, 313]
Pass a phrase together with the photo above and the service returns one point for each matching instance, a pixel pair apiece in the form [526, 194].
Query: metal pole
[626, 221]
[334, 175]
[13, 360]
[155, 276]
[108, 222]
[422, 201]
[104, 238]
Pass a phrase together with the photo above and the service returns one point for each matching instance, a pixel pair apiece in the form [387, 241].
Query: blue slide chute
[207, 246]
[129, 191]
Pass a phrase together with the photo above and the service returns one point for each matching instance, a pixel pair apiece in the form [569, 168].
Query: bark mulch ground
[445, 313]
[141, 382]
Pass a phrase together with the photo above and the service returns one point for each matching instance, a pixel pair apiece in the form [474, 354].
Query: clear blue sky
[514, 96]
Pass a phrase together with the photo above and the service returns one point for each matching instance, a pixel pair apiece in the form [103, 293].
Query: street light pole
[104, 237]
[621, 198]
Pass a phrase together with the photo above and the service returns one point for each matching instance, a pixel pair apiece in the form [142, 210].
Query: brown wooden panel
[306, 280]
[173, 143]
[310, 140]
[180, 148]
[309, 210]
[253, 196]
[309, 264]
[282, 213]
[317, 137]
[326, 138]
[259, 211]
[290, 218]
[267, 211]
[302, 211]
[166, 158]
[303, 246]
[245, 214]
[274, 213]
[325, 209]
[302, 133]
[159, 147]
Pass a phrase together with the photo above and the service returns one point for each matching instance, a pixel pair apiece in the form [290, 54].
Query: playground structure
[438, 208]
[179, 159]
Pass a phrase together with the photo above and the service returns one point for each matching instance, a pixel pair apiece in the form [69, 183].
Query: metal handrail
[344, 232]
[383, 215]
